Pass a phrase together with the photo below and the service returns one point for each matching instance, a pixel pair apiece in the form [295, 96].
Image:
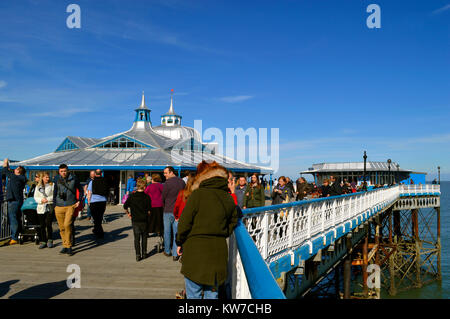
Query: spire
[143, 102]
[171, 118]
[142, 112]
[171, 111]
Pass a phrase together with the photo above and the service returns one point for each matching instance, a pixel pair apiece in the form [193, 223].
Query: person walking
[139, 204]
[131, 184]
[43, 196]
[254, 194]
[97, 193]
[88, 209]
[14, 197]
[209, 217]
[156, 221]
[65, 199]
[171, 188]
[240, 191]
[180, 203]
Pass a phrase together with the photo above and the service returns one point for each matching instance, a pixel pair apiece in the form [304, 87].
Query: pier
[306, 244]
[293, 250]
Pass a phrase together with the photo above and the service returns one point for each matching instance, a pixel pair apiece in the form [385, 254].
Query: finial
[143, 100]
[171, 111]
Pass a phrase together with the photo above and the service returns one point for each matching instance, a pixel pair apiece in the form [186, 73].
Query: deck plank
[108, 268]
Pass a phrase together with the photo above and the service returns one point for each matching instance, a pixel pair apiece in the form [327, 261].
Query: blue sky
[311, 68]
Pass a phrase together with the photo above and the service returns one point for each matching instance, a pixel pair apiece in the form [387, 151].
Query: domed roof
[177, 132]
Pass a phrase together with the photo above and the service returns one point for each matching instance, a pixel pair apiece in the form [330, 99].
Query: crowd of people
[192, 215]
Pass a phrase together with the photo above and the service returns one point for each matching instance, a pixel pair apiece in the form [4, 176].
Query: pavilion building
[380, 173]
[142, 148]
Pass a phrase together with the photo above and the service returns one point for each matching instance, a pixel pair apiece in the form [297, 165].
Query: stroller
[30, 222]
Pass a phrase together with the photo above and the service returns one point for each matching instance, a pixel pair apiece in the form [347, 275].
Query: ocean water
[436, 290]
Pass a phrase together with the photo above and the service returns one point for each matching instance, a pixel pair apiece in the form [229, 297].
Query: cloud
[440, 10]
[235, 99]
[62, 113]
[3, 84]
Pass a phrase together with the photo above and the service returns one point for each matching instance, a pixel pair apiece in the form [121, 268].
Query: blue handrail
[260, 280]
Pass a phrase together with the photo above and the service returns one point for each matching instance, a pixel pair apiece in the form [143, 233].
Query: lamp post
[389, 168]
[364, 177]
[398, 173]
[439, 175]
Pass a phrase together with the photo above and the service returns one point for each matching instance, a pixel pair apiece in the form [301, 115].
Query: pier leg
[348, 269]
[389, 215]
[377, 254]
[397, 229]
[415, 231]
[365, 263]
[392, 288]
[347, 275]
[337, 279]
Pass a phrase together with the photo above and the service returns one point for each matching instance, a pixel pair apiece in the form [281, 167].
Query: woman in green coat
[208, 218]
[254, 194]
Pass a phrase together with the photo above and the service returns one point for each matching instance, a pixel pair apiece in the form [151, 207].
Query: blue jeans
[194, 290]
[15, 218]
[170, 229]
[88, 211]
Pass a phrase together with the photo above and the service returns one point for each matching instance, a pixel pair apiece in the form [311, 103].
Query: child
[139, 204]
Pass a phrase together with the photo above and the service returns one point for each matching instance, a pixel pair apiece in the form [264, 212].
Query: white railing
[276, 229]
[420, 189]
[280, 229]
[5, 229]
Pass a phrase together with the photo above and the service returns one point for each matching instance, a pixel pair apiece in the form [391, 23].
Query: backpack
[99, 187]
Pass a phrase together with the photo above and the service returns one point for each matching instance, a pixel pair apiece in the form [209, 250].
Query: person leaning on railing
[209, 217]
[254, 194]
[303, 188]
[282, 193]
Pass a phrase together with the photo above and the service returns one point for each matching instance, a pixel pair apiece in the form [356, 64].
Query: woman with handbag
[155, 219]
[43, 196]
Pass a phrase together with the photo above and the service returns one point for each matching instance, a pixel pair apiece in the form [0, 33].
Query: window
[66, 145]
[121, 142]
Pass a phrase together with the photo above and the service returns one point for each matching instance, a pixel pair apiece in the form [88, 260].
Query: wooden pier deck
[108, 267]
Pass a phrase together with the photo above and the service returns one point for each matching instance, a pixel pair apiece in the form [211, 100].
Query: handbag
[124, 198]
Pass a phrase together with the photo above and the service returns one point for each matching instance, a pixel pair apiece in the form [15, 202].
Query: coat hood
[214, 178]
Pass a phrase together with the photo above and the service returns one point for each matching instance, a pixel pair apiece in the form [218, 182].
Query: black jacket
[15, 186]
[325, 190]
[65, 191]
[139, 204]
[336, 188]
[100, 186]
[278, 198]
